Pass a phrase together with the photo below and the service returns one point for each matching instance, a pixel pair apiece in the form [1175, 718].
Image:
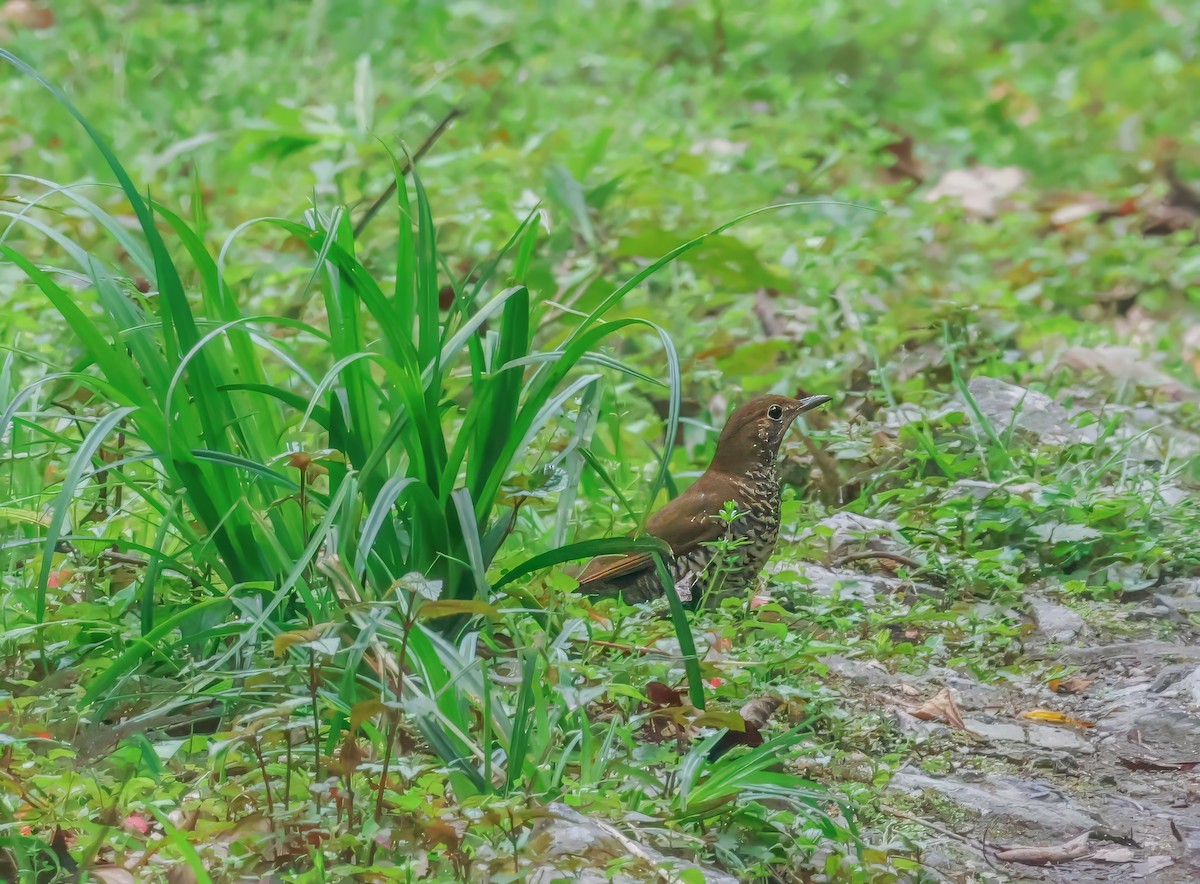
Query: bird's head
[753, 432]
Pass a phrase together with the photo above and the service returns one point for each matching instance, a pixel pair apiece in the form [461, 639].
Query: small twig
[765, 311]
[430, 141]
[875, 554]
[613, 646]
[831, 479]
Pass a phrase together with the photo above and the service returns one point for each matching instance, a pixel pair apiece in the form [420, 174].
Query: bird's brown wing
[683, 523]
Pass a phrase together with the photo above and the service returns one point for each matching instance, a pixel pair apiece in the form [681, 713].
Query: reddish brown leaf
[27, 15]
[661, 695]
[1076, 684]
[444, 831]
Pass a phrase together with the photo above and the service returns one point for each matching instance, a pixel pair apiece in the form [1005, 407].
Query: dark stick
[430, 141]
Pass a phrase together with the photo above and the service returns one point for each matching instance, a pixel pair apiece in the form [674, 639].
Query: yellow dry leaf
[1051, 717]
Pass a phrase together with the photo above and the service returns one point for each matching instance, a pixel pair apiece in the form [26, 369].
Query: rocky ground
[1088, 776]
[1117, 766]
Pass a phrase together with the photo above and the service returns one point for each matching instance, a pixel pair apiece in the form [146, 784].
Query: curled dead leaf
[941, 708]
[759, 710]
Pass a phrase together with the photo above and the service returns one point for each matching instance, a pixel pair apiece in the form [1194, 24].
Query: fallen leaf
[1076, 684]
[27, 15]
[444, 831]
[181, 873]
[111, 874]
[285, 640]
[753, 716]
[661, 695]
[351, 755]
[1049, 716]
[1044, 856]
[941, 708]
[1127, 364]
[364, 711]
[1151, 866]
[184, 820]
[1080, 208]
[980, 190]
[1114, 855]
[759, 710]
[905, 166]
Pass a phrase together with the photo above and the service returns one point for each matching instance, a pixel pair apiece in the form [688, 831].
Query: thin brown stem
[262, 766]
[430, 141]
[393, 725]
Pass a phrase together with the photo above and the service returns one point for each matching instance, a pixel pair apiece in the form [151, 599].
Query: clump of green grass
[339, 495]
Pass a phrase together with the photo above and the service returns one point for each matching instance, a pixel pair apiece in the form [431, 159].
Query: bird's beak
[811, 402]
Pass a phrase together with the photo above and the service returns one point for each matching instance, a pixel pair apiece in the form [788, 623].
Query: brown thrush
[743, 471]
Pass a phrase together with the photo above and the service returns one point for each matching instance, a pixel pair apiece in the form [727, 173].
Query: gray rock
[1057, 622]
[1184, 588]
[871, 673]
[1058, 738]
[1181, 607]
[851, 531]
[1170, 676]
[996, 730]
[980, 490]
[1008, 407]
[1036, 735]
[906, 413]
[852, 584]
[1169, 732]
[1022, 803]
[575, 847]
[1190, 687]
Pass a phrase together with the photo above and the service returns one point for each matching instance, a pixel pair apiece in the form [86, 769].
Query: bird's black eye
[775, 412]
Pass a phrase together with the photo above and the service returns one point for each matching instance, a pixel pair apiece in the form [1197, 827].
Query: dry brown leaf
[1084, 206]
[181, 873]
[1151, 866]
[759, 710]
[981, 190]
[906, 165]
[184, 820]
[27, 15]
[1049, 716]
[1124, 364]
[941, 708]
[1075, 684]
[1113, 855]
[111, 874]
[1044, 856]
